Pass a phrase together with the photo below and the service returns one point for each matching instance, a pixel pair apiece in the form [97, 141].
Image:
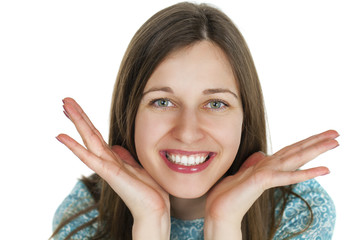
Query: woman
[186, 153]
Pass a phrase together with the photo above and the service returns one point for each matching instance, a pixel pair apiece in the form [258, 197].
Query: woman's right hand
[148, 202]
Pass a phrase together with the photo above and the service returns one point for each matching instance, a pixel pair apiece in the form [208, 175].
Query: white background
[307, 56]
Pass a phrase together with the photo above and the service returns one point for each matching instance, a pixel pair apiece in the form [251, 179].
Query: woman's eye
[162, 103]
[216, 104]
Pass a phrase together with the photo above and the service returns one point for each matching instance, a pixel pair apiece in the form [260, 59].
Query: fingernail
[58, 139]
[336, 144]
[67, 115]
[262, 153]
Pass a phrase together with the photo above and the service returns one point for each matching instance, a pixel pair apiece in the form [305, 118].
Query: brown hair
[168, 30]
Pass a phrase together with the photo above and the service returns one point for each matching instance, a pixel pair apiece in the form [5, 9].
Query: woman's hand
[231, 198]
[147, 201]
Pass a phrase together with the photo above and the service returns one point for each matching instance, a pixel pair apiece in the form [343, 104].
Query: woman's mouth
[187, 162]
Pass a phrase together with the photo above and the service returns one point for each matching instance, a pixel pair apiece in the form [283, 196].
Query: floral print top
[294, 218]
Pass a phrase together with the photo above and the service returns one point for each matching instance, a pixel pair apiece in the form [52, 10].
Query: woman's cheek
[226, 130]
[150, 128]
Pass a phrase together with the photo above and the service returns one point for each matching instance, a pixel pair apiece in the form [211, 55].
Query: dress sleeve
[296, 214]
[79, 199]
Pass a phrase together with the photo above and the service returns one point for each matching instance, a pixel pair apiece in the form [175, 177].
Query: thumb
[253, 159]
[124, 155]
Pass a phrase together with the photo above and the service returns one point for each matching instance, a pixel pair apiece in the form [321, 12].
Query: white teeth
[197, 160]
[186, 160]
[191, 160]
[178, 160]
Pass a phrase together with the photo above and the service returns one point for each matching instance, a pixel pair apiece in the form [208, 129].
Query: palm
[234, 194]
[133, 184]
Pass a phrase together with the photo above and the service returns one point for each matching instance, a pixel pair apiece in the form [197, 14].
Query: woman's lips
[187, 162]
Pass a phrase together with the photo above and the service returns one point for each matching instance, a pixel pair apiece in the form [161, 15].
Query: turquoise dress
[294, 219]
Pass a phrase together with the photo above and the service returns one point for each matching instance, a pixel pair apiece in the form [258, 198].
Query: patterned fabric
[79, 199]
[294, 219]
[297, 215]
[187, 229]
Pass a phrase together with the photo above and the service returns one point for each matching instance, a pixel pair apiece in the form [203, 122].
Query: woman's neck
[187, 209]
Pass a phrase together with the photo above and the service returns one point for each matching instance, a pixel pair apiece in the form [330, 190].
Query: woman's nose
[188, 127]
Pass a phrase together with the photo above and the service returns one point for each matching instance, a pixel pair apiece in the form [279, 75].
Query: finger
[305, 155]
[125, 155]
[252, 160]
[91, 139]
[76, 106]
[288, 178]
[88, 158]
[291, 149]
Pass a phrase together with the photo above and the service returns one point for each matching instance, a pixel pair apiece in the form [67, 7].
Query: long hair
[171, 29]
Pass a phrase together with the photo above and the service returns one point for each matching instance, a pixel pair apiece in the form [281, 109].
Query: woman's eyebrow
[206, 91]
[154, 89]
[219, 90]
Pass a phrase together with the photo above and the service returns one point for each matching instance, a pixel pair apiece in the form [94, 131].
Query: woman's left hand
[231, 198]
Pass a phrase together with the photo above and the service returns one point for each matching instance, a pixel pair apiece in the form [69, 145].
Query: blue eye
[162, 103]
[216, 104]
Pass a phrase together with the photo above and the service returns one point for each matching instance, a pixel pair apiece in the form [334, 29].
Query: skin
[192, 127]
[189, 123]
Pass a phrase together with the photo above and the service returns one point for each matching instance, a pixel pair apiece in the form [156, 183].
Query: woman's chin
[188, 192]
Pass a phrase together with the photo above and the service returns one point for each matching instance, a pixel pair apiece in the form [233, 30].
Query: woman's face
[188, 125]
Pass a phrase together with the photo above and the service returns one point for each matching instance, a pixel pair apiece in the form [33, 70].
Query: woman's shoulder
[296, 215]
[78, 200]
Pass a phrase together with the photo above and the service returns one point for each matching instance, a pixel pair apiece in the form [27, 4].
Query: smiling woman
[186, 153]
[201, 112]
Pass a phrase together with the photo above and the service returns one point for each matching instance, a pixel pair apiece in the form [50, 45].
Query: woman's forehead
[203, 63]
